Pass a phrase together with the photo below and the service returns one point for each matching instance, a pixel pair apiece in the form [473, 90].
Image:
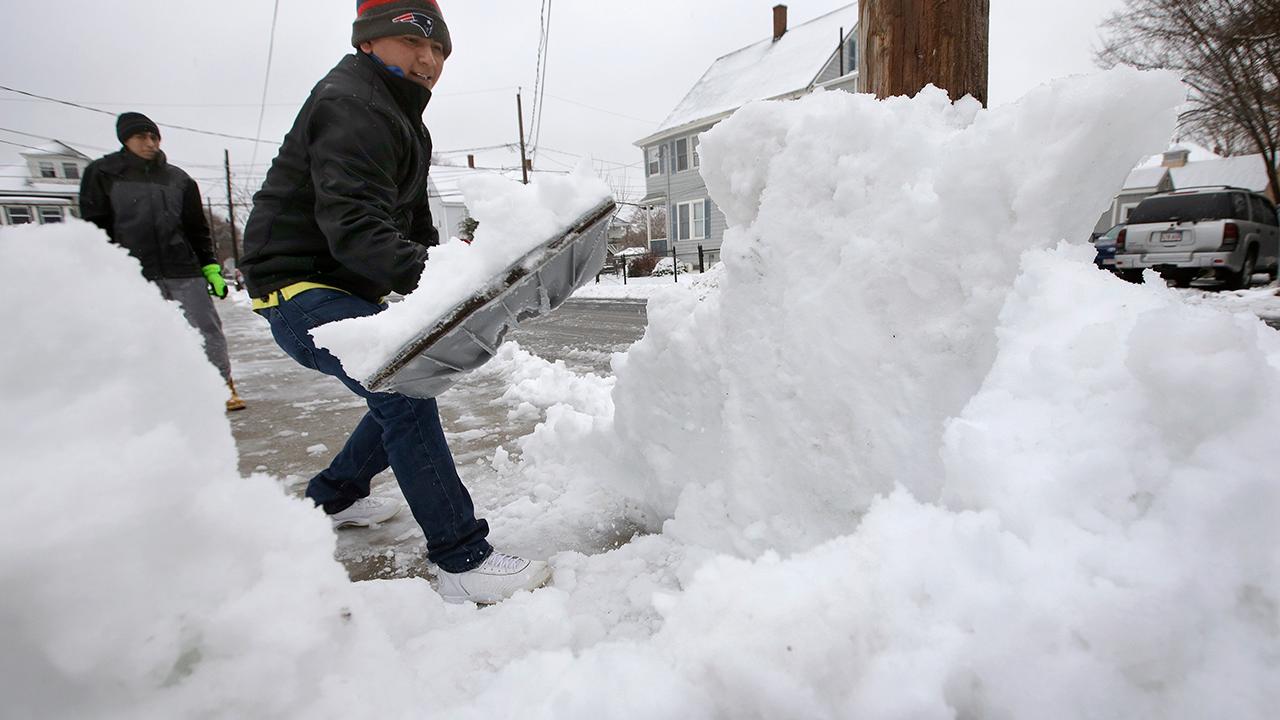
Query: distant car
[1105, 244]
[1230, 231]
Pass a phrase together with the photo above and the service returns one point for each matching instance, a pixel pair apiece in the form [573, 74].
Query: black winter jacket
[150, 208]
[345, 201]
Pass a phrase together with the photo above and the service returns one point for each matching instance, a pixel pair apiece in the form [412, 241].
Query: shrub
[642, 266]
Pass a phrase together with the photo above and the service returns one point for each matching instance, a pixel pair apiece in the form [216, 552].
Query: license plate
[1171, 236]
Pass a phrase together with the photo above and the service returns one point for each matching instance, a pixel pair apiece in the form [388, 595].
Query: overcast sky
[614, 69]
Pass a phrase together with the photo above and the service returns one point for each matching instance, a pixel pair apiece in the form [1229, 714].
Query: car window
[1170, 208]
[1239, 207]
[1262, 211]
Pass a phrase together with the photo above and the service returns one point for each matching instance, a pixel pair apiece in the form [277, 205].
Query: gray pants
[193, 295]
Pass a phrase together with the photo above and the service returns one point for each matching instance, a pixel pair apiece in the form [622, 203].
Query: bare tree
[1227, 52]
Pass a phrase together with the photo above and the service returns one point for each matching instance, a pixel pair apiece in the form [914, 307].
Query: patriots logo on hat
[421, 20]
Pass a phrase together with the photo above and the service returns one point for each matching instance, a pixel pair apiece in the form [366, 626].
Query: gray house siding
[678, 187]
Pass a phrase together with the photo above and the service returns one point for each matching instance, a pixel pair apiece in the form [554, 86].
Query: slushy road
[297, 418]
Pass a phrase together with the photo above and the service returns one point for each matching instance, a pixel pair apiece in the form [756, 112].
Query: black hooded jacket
[345, 201]
[150, 208]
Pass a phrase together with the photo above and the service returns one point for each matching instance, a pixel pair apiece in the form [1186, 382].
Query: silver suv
[1182, 234]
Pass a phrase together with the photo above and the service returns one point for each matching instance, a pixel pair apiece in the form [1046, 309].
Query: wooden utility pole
[524, 163]
[231, 211]
[904, 45]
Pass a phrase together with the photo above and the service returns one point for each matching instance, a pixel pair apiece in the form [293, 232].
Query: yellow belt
[275, 297]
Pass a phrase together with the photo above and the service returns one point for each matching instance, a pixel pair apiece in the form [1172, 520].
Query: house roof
[55, 147]
[1145, 178]
[446, 180]
[1242, 171]
[762, 70]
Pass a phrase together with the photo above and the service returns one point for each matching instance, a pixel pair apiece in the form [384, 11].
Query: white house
[44, 188]
[789, 63]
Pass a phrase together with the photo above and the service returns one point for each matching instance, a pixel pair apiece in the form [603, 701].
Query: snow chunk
[513, 220]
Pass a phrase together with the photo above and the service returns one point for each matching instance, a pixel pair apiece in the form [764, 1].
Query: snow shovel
[468, 335]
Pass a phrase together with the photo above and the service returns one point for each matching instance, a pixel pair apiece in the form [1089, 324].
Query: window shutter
[672, 211]
[706, 219]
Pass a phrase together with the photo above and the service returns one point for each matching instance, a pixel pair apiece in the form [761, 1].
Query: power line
[266, 79]
[540, 78]
[29, 147]
[107, 112]
[607, 112]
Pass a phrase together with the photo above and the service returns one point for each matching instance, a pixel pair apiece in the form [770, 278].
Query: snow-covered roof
[1144, 178]
[6, 199]
[1195, 153]
[763, 70]
[446, 180]
[55, 147]
[1243, 171]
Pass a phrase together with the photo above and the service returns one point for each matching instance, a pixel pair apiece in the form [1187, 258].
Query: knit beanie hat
[132, 123]
[384, 18]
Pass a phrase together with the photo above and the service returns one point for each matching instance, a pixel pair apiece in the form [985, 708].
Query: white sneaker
[365, 512]
[496, 579]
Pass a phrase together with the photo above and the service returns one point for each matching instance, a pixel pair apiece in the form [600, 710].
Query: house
[820, 53]
[44, 188]
[1177, 171]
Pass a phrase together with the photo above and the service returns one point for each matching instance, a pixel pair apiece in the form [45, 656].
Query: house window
[853, 55]
[682, 154]
[71, 170]
[697, 159]
[691, 220]
[47, 170]
[654, 157]
[50, 214]
[18, 215]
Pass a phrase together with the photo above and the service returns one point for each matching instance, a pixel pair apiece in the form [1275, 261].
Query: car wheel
[1133, 276]
[1241, 280]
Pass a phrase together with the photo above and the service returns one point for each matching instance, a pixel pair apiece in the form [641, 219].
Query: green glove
[217, 286]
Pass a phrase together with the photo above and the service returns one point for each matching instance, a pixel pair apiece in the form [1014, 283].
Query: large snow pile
[513, 220]
[909, 453]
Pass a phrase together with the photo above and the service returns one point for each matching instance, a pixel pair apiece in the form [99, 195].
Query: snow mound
[871, 246]
[513, 220]
[141, 573]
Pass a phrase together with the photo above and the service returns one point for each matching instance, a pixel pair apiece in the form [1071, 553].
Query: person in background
[341, 221]
[153, 210]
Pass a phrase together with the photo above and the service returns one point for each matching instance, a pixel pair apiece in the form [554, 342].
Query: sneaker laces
[366, 503]
[502, 562]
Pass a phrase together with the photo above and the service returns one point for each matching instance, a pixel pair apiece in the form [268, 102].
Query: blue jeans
[397, 431]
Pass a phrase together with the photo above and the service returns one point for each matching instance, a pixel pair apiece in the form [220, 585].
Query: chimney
[471, 161]
[779, 22]
[1176, 157]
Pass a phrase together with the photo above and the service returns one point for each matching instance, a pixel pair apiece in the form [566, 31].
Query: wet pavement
[297, 418]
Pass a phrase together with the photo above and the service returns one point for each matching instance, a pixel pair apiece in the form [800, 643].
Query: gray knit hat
[384, 18]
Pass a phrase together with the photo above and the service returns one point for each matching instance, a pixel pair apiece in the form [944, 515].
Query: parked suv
[1181, 234]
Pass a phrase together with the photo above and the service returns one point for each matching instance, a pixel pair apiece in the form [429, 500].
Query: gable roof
[55, 147]
[1145, 178]
[762, 70]
[1242, 171]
